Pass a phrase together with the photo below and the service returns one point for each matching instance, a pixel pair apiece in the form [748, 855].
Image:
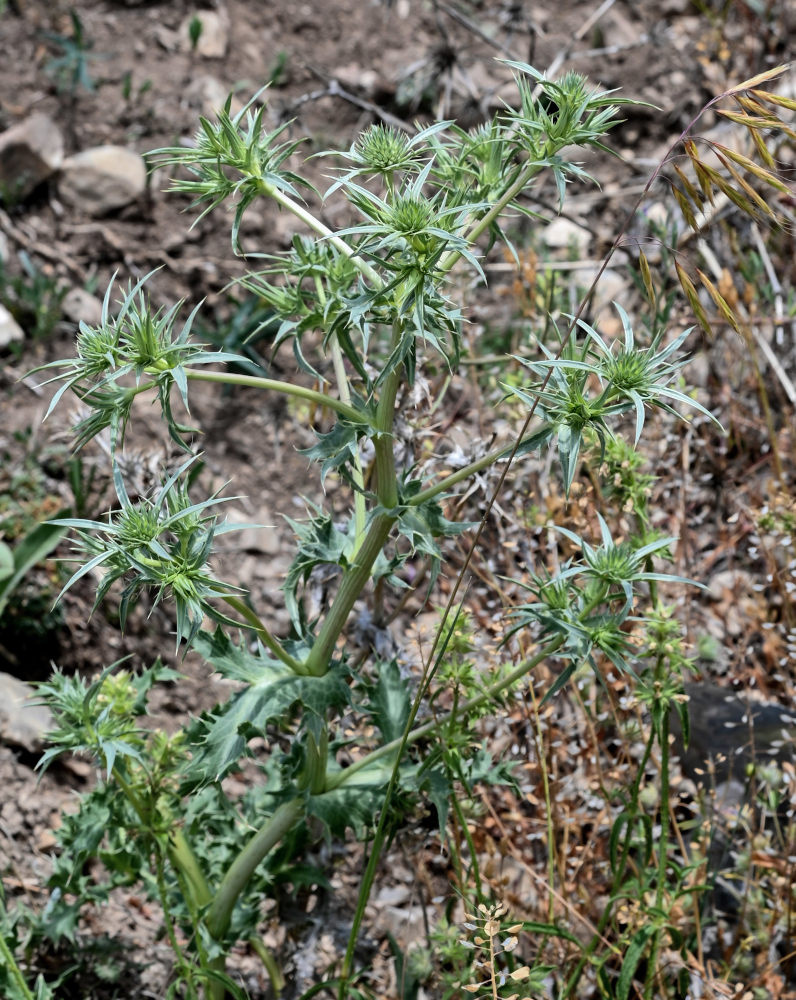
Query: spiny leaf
[272, 692]
[354, 804]
[335, 449]
[389, 704]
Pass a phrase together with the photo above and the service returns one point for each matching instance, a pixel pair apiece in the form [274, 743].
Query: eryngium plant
[385, 294]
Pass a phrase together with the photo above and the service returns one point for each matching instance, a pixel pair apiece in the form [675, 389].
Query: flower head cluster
[162, 544]
[135, 349]
[591, 382]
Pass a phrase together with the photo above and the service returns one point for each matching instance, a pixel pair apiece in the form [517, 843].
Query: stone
[30, 152]
[564, 234]
[359, 79]
[10, 331]
[611, 287]
[256, 535]
[102, 179]
[23, 723]
[207, 94]
[729, 731]
[213, 38]
[81, 306]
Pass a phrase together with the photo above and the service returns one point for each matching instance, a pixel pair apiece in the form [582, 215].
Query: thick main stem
[358, 574]
[243, 867]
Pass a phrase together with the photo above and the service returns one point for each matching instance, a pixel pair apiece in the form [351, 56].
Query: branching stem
[300, 391]
[339, 778]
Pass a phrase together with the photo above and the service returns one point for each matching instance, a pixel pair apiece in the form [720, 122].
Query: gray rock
[562, 234]
[611, 287]
[102, 179]
[10, 330]
[81, 306]
[30, 152]
[22, 722]
[730, 732]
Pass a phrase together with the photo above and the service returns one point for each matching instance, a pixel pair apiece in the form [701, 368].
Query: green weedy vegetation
[384, 293]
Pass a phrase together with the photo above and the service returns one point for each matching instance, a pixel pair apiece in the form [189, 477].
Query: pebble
[23, 723]
[81, 306]
[611, 287]
[10, 331]
[30, 152]
[102, 179]
[564, 234]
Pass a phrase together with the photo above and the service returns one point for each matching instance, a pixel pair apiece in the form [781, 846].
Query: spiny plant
[70, 68]
[352, 741]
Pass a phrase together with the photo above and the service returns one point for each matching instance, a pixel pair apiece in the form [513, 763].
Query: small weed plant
[352, 741]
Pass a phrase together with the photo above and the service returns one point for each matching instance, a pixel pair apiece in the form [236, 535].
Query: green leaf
[353, 804]
[633, 956]
[334, 449]
[390, 702]
[438, 789]
[6, 561]
[35, 546]
[320, 542]
[272, 692]
[422, 523]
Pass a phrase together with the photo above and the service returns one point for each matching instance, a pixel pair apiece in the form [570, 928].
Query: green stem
[360, 513]
[344, 390]
[466, 471]
[318, 227]
[274, 972]
[354, 581]
[243, 867]
[253, 620]
[608, 910]
[356, 577]
[663, 841]
[189, 873]
[365, 885]
[255, 382]
[341, 777]
[16, 973]
[522, 181]
[182, 964]
[179, 850]
[475, 868]
[183, 858]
